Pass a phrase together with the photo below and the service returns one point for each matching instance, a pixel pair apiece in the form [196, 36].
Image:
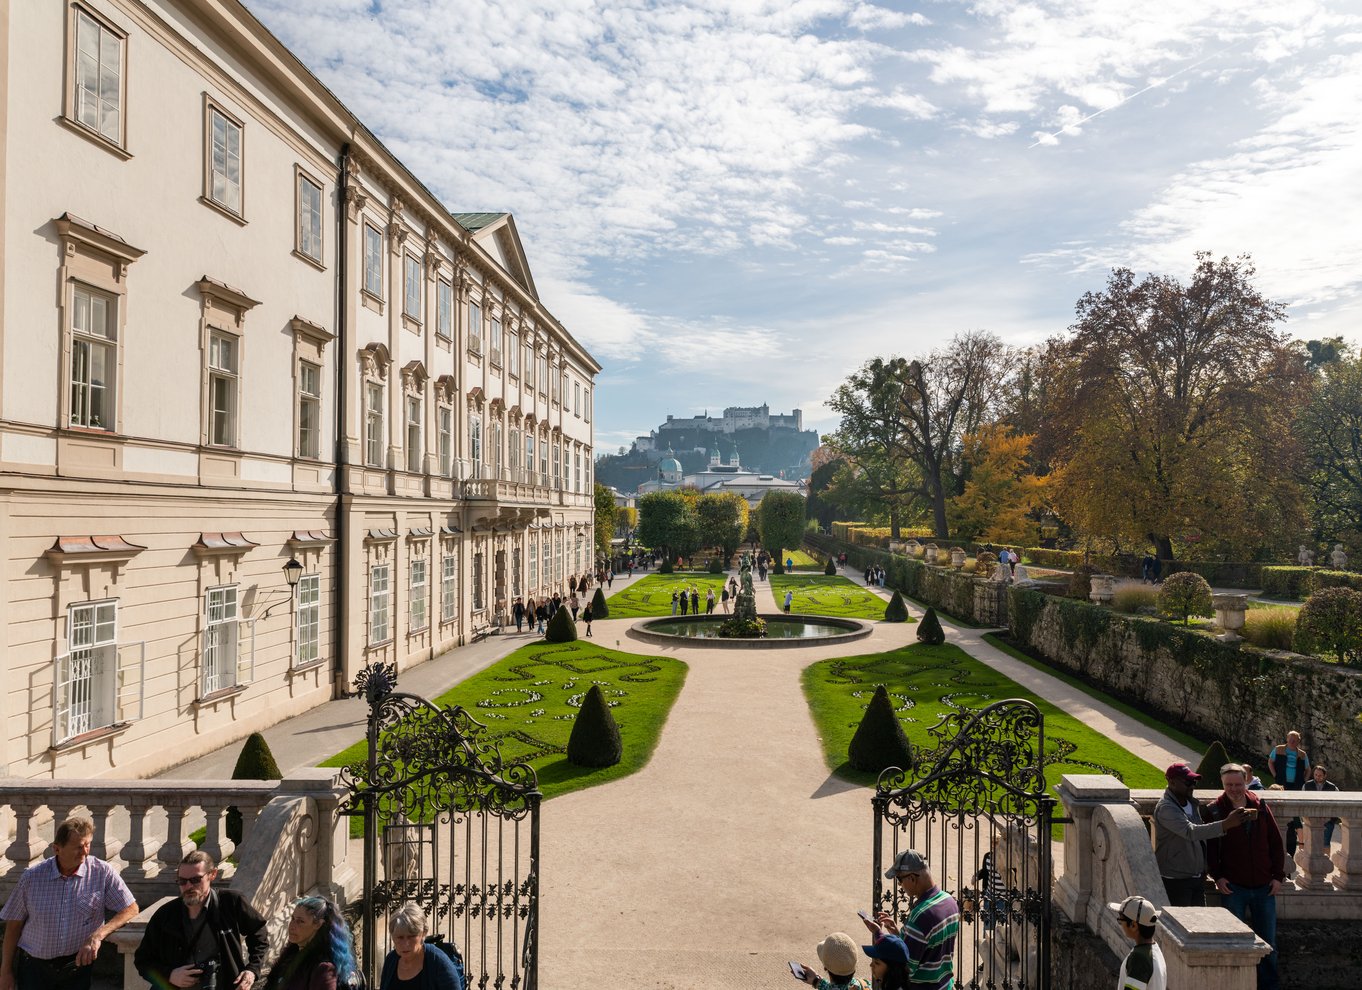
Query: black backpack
[451, 950]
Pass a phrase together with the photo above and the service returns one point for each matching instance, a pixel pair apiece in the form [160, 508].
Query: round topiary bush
[1184, 595]
[879, 741]
[929, 630]
[599, 610]
[255, 762]
[666, 567]
[561, 628]
[830, 568]
[897, 609]
[1330, 625]
[716, 566]
[1209, 768]
[595, 739]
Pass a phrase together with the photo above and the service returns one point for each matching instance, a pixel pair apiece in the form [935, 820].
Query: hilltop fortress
[735, 418]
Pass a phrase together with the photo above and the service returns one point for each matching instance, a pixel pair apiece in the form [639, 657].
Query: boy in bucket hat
[838, 955]
[1143, 968]
[1179, 837]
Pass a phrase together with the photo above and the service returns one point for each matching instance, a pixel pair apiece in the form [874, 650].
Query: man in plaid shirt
[54, 919]
[930, 929]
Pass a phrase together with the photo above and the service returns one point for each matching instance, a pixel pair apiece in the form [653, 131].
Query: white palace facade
[243, 348]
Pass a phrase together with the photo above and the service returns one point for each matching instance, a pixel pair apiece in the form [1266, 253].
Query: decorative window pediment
[222, 543]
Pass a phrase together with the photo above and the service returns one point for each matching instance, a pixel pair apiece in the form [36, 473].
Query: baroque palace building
[237, 333]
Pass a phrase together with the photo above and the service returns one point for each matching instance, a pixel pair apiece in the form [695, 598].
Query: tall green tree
[722, 520]
[1178, 423]
[605, 519]
[666, 522]
[780, 518]
[1330, 428]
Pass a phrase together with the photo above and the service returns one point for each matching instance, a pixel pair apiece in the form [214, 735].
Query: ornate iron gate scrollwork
[450, 825]
[981, 791]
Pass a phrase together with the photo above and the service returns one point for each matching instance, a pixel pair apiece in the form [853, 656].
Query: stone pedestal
[957, 558]
[1209, 949]
[1103, 589]
[1230, 613]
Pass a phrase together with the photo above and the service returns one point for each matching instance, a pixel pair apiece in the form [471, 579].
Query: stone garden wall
[1247, 698]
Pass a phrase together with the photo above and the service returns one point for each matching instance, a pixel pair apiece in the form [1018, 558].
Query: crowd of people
[208, 937]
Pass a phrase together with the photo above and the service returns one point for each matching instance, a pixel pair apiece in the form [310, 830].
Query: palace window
[496, 341]
[475, 328]
[309, 218]
[96, 94]
[224, 161]
[411, 305]
[446, 441]
[475, 443]
[373, 424]
[414, 451]
[309, 410]
[419, 579]
[477, 583]
[513, 355]
[224, 386]
[94, 358]
[221, 641]
[380, 603]
[449, 586]
[444, 310]
[373, 261]
[87, 675]
[308, 619]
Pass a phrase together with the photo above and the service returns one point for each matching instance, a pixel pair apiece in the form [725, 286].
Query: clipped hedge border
[1299, 583]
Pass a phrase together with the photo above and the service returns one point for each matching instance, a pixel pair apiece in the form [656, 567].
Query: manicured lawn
[652, 595]
[529, 699]
[802, 561]
[822, 594]
[927, 682]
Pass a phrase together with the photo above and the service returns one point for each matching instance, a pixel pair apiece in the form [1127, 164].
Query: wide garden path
[734, 850]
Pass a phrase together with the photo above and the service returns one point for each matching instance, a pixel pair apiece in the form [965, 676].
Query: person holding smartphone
[837, 953]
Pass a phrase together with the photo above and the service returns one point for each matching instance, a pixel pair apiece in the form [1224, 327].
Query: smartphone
[796, 970]
[866, 917]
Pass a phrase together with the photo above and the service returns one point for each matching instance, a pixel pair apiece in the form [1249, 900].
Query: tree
[722, 521]
[605, 520]
[818, 506]
[1184, 595]
[1330, 429]
[780, 517]
[1177, 424]
[1000, 491]
[666, 522]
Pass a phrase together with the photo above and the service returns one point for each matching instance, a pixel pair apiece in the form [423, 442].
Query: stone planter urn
[913, 548]
[1103, 589]
[1230, 613]
[957, 558]
[929, 552]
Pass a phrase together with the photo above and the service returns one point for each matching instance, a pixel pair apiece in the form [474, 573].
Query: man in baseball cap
[1179, 837]
[1143, 968]
[932, 924]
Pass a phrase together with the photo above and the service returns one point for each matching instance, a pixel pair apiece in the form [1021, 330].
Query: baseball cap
[1183, 771]
[891, 948]
[908, 861]
[1135, 908]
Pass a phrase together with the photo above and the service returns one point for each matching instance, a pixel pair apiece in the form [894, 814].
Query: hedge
[1301, 582]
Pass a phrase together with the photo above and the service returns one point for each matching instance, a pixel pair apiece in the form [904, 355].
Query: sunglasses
[190, 881]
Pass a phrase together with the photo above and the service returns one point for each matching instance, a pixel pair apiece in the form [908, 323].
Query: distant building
[735, 418]
[719, 476]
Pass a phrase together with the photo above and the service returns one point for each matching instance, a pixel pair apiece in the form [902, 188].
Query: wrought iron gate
[449, 825]
[977, 809]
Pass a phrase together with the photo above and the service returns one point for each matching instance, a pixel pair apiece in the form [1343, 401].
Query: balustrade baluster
[1312, 858]
[137, 850]
[177, 844]
[28, 846]
[249, 814]
[215, 842]
[106, 845]
[1349, 858]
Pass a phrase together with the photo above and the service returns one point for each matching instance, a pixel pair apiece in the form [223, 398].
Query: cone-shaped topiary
[255, 762]
[561, 628]
[595, 739]
[666, 567]
[897, 610]
[716, 566]
[599, 610]
[830, 568]
[879, 741]
[929, 630]
[1215, 758]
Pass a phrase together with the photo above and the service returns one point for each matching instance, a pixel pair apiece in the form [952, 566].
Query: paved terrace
[734, 850]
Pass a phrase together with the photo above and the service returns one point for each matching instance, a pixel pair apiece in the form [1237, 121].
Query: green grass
[823, 594]
[1191, 742]
[529, 700]
[927, 682]
[802, 561]
[652, 595]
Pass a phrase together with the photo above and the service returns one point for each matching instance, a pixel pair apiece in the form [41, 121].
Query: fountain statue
[744, 621]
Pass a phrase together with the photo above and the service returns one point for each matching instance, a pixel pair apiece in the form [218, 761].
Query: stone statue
[1305, 557]
[1338, 559]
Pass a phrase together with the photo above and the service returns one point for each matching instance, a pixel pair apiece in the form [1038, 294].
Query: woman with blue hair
[320, 954]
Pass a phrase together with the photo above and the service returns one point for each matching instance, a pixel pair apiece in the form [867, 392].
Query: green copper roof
[476, 221]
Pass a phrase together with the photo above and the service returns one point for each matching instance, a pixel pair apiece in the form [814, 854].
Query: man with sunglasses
[931, 927]
[201, 933]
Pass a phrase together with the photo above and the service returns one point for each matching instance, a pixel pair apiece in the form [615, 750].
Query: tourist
[320, 953]
[54, 918]
[1319, 782]
[1180, 837]
[732, 587]
[723, 599]
[542, 614]
[694, 601]
[1143, 968]
[789, 563]
[1255, 783]
[837, 953]
[709, 601]
[888, 963]
[518, 610]
[1248, 865]
[930, 929]
[1290, 768]
[684, 598]
[992, 900]
[673, 601]
[586, 618]
[761, 569]
[610, 578]
[789, 597]
[202, 928]
[575, 605]
[412, 963]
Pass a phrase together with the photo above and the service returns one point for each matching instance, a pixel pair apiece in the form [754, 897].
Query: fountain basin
[781, 631]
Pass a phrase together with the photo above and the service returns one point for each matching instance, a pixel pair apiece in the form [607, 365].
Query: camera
[208, 975]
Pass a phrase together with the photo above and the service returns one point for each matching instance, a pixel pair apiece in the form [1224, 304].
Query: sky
[732, 202]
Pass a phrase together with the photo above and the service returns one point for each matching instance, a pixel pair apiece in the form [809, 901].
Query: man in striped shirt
[931, 926]
[55, 918]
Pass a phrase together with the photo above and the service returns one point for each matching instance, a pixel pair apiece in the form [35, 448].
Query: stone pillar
[1081, 797]
[1209, 949]
[333, 871]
